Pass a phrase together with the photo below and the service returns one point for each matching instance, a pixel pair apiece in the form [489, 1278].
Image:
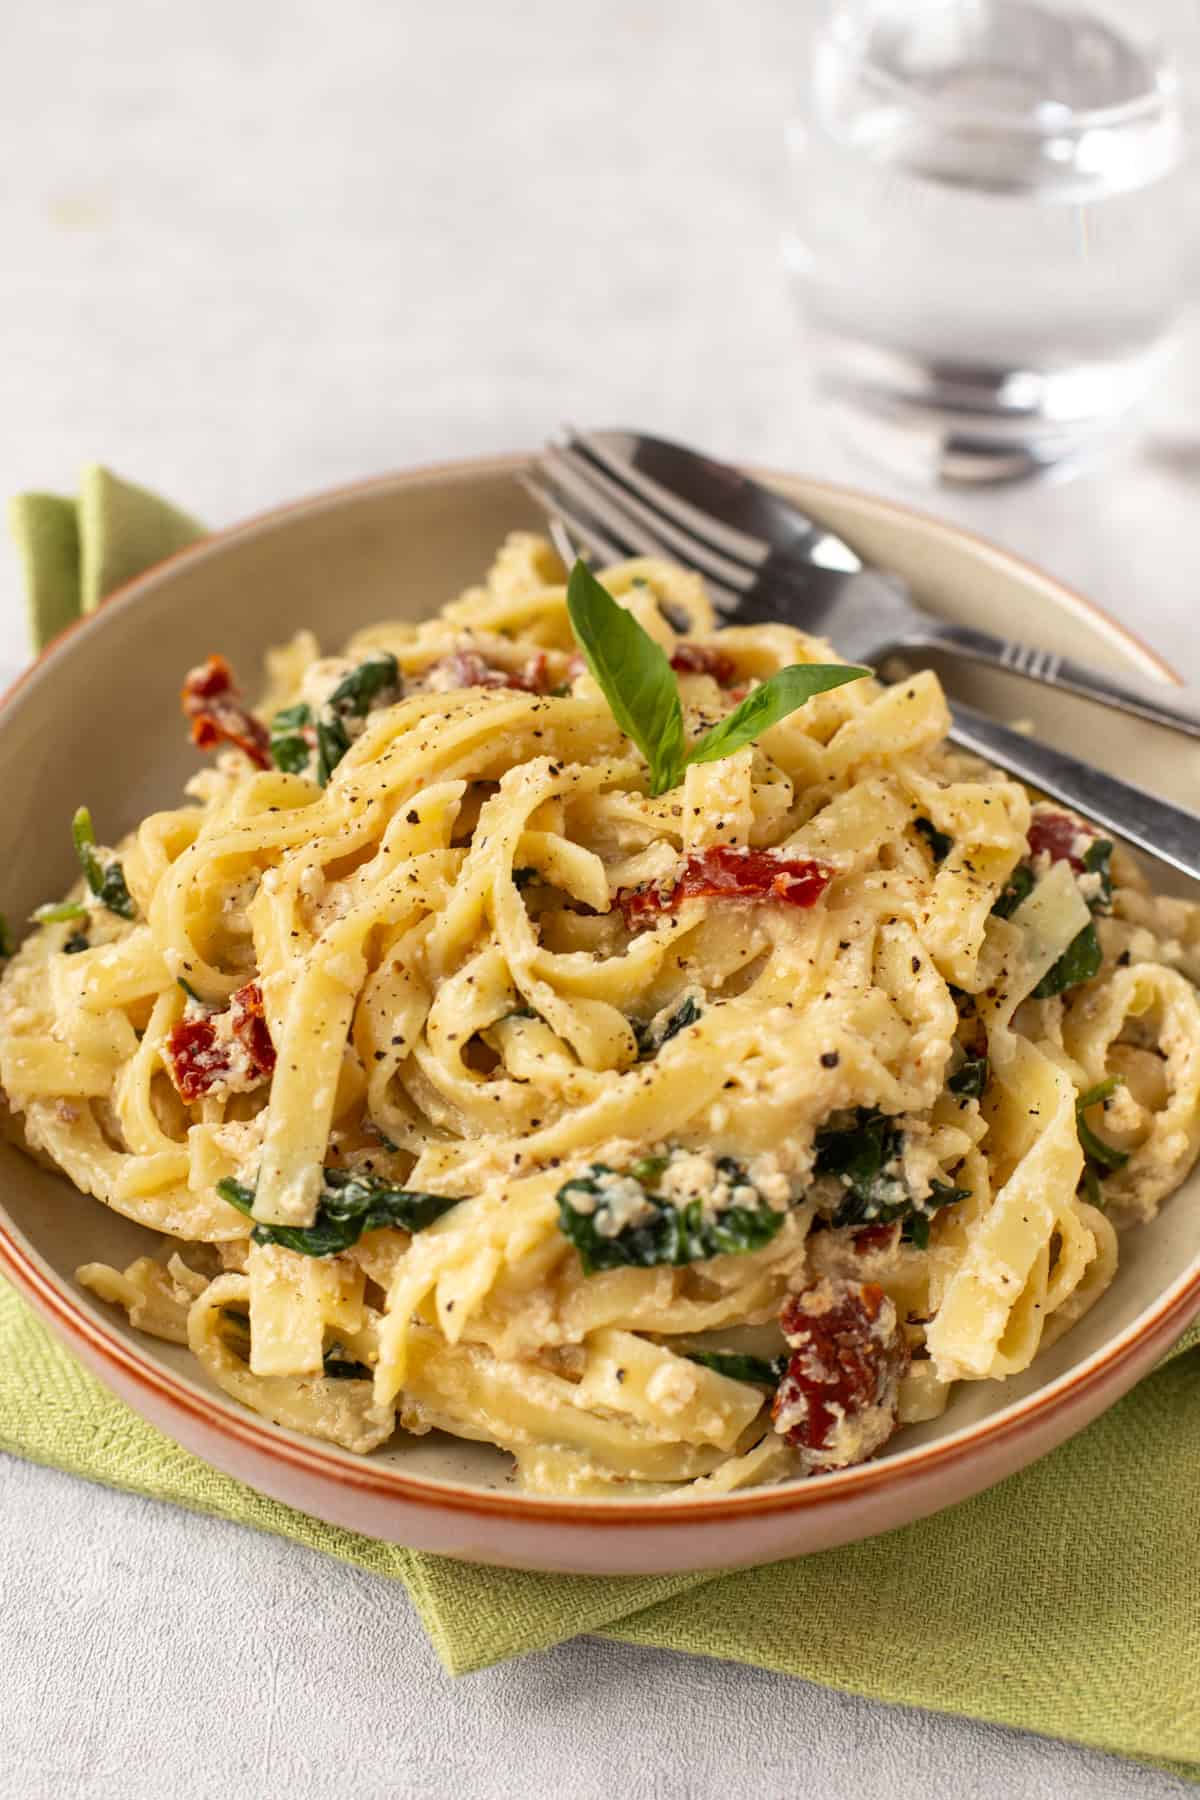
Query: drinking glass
[995, 219]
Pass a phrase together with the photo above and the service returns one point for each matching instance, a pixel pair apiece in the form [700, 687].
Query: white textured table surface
[253, 250]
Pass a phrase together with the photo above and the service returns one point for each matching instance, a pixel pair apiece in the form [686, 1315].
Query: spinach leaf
[333, 741]
[866, 1157]
[375, 680]
[1100, 1159]
[290, 749]
[335, 1362]
[650, 1042]
[658, 1231]
[970, 1080]
[780, 694]
[350, 1204]
[1018, 888]
[357, 692]
[754, 1369]
[1082, 958]
[1097, 861]
[1079, 962]
[106, 880]
[940, 842]
[53, 911]
[635, 677]
[649, 1170]
[340, 1367]
[633, 674]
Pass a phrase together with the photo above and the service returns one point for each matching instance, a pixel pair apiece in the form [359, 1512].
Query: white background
[255, 249]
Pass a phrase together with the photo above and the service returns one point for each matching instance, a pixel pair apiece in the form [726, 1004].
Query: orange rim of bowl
[77, 1323]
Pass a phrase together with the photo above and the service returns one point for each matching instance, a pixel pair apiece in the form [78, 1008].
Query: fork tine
[742, 546]
[560, 537]
[620, 537]
[583, 531]
[639, 523]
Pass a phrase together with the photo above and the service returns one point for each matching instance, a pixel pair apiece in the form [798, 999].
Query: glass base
[962, 425]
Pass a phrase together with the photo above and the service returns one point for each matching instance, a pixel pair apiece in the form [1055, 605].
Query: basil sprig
[635, 676]
[106, 880]
[350, 1204]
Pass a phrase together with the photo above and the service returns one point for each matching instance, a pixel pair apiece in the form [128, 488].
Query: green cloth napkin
[74, 552]
[1066, 1600]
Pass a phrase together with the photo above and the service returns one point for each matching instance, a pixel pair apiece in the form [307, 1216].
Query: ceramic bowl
[96, 720]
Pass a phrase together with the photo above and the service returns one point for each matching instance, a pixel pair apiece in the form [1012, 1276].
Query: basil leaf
[779, 695]
[350, 1204]
[755, 1369]
[866, 1156]
[659, 1232]
[53, 912]
[1079, 962]
[106, 880]
[970, 1080]
[940, 842]
[633, 674]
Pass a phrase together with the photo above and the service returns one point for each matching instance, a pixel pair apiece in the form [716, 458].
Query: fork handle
[1162, 705]
[1166, 832]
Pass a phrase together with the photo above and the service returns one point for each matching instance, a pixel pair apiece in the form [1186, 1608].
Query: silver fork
[619, 495]
[763, 558]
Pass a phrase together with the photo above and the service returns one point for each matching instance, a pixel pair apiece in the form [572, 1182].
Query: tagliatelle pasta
[679, 1140]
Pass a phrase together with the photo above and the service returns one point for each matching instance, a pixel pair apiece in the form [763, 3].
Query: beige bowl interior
[98, 722]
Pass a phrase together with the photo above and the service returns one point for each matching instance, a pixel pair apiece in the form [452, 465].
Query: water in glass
[994, 216]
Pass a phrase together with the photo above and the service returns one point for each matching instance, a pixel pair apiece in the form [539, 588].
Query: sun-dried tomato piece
[703, 659]
[248, 1023]
[1059, 836]
[210, 700]
[838, 1397]
[876, 1237]
[725, 874]
[230, 1049]
[467, 668]
[194, 1058]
